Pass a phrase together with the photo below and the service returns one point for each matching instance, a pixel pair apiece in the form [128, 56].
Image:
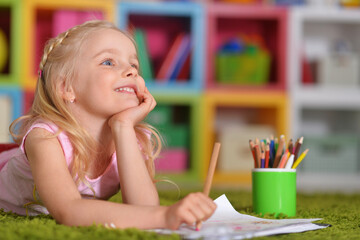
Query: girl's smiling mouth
[125, 89]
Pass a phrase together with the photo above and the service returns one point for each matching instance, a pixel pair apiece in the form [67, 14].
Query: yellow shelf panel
[232, 178]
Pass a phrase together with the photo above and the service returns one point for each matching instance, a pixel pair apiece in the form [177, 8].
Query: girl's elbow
[65, 216]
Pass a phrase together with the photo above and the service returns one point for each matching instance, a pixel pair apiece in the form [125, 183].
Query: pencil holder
[274, 191]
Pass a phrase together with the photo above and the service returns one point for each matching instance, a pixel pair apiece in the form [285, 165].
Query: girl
[83, 139]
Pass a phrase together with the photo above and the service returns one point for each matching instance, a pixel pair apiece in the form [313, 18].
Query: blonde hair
[58, 62]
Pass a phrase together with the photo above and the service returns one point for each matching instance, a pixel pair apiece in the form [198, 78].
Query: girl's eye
[135, 66]
[107, 63]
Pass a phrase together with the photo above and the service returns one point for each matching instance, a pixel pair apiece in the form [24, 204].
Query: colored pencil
[290, 162]
[210, 174]
[262, 159]
[257, 155]
[272, 151]
[267, 155]
[301, 157]
[297, 147]
[252, 149]
[279, 151]
[291, 146]
[284, 159]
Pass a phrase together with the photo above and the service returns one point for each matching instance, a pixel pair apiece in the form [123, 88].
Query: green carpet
[341, 211]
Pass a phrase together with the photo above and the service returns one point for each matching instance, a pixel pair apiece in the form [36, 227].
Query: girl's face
[107, 79]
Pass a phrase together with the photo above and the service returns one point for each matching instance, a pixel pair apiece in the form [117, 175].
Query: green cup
[274, 191]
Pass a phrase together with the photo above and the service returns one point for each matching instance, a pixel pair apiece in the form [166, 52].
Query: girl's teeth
[126, 89]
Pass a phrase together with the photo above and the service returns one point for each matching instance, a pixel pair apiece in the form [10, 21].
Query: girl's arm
[60, 196]
[135, 182]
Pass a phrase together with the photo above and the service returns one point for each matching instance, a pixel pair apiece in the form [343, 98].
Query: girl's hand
[130, 117]
[191, 209]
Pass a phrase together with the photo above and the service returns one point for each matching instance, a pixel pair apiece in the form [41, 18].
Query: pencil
[267, 155]
[262, 159]
[284, 159]
[252, 149]
[210, 174]
[297, 148]
[262, 144]
[291, 146]
[279, 151]
[290, 162]
[301, 157]
[257, 155]
[272, 151]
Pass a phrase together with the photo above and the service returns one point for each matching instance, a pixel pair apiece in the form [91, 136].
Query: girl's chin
[127, 106]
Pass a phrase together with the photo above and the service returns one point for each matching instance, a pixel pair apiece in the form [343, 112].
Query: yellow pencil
[300, 158]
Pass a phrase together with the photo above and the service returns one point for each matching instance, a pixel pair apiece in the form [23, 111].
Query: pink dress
[17, 191]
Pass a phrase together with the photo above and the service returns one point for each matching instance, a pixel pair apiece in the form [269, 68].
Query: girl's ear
[66, 91]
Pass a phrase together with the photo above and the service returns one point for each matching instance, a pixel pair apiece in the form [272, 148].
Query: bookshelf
[325, 110]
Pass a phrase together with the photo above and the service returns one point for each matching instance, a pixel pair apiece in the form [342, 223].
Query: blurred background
[220, 70]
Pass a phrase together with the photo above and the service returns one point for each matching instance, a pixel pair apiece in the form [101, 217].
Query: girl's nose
[130, 72]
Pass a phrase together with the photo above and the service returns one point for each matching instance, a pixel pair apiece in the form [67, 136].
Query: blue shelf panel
[195, 12]
[180, 87]
[15, 97]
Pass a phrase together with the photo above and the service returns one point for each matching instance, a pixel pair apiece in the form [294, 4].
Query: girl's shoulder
[54, 130]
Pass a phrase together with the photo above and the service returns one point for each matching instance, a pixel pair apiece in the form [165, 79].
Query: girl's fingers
[149, 101]
[189, 218]
[201, 206]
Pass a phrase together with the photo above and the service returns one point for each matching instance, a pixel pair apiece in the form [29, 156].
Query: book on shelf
[184, 73]
[175, 59]
[182, 56]
[143, 55]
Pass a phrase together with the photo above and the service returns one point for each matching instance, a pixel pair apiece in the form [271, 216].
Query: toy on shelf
[243, 61]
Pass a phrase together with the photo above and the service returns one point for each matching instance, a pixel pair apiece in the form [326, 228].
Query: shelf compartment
[315, 34]
[180, 112]
[39, 26]
[9, 40]
[172, 122]
[180, 18]
[269, 24]
[265, 110]
[332, 135]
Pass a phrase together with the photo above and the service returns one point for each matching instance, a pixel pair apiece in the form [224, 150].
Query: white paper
[227, 223]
